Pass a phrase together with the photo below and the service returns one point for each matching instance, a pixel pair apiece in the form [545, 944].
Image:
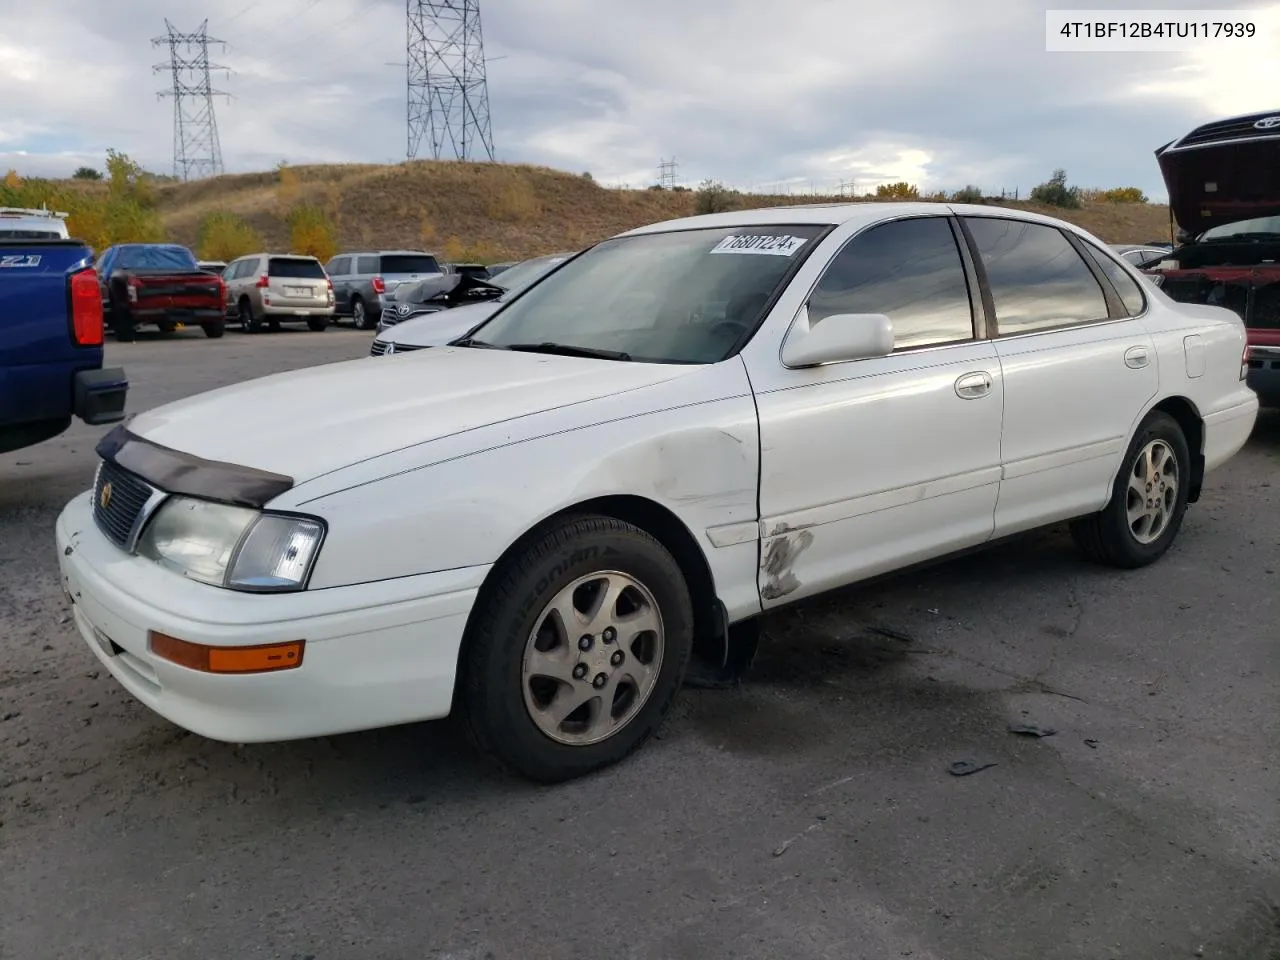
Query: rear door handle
[971, 386]
[1135, 358]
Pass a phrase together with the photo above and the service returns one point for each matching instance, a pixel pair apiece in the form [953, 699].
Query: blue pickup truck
[51, 333]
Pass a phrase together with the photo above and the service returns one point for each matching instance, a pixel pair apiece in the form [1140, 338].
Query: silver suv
[364, 281]
[276, 287]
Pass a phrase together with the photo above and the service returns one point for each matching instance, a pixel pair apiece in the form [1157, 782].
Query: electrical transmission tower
[448, 93]
[667, 174]
[196, 150]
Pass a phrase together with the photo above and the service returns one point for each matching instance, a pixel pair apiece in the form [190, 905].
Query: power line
[447, 95]
[196, 148]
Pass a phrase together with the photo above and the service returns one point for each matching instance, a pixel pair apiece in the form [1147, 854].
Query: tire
[122, 326]
[359, 319]
[317, 323]
[499, 698]
[1109, 537]
[248, 322]
[214, 329]
[167, 326]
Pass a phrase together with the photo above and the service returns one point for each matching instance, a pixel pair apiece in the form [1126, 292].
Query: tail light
[222, 291]
[86, 308]
[379, 286]
[132, 284]
[330, 284]
[263, 281]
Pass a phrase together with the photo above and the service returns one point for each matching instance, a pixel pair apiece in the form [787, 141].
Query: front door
[873, 464]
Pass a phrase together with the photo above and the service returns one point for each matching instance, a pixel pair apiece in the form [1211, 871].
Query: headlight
[232, 547]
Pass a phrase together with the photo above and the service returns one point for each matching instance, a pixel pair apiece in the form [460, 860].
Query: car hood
[306, 423]
[1222, 173]
[440, 327]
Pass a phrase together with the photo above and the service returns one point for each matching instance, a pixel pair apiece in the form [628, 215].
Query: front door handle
[1135, 358]
[973, 385]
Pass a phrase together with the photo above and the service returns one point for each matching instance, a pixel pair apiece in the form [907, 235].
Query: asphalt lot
[809, 814]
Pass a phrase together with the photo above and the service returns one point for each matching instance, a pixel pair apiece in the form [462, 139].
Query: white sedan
[546, 525]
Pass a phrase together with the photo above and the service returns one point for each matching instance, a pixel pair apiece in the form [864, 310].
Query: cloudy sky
[758, 93]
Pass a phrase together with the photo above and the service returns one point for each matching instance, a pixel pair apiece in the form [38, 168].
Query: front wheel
[1147, 503]
[577, 649]
[359, 319]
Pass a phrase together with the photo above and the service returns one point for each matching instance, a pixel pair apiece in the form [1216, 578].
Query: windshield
[1245, 228]
[396, 263]
[295, 269]
[154, 258]
[521, 275]
[684, 296]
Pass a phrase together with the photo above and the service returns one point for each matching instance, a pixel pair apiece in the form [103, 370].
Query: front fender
[699, 460]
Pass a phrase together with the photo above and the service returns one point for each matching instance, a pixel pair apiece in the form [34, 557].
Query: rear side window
[909, 270]
[409, 263]
[366, 265]
[1127, 287]
[1037, 279]
[295, 268]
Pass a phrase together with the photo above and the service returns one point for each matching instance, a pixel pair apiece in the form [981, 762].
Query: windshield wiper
[569, 350]
[473, 342]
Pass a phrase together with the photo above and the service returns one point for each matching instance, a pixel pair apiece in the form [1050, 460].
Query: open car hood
[1223, 172]
[447, 290]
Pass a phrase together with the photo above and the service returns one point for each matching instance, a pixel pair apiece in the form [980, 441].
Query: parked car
[1224, 194]
[686, 426]
[477, 270]
[23, 223]
[161, 284]
[213, 266]
[435, 294]
[51, 336]
[421, 324]
[364, 281]
[273, 288]
[497, 268]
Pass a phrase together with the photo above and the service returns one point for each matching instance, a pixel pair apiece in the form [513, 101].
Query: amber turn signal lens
[262, 658]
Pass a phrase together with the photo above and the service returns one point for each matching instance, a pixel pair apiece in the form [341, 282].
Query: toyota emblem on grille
[1267, 123]
[403, 309]
[104, 497]
[391, 347]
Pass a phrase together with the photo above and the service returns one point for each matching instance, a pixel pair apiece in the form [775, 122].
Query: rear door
[339, 269]
[1078, 367]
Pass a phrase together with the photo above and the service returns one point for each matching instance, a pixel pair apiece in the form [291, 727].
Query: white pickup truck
[19, 223]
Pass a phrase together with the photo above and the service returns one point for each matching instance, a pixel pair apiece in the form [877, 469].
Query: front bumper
[376, 654]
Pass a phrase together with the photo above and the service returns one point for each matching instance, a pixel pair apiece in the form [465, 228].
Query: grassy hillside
[492, 212]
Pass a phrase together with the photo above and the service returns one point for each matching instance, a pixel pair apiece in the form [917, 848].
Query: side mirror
[841, 336]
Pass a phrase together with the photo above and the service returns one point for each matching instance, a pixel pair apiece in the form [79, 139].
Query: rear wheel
[214, 328]
[575, 654]
[1147, 503]
[248, 322]
[358, 318]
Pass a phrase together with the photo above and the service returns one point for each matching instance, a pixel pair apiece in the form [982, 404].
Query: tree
[225, 236]
[967, 194]
[1124, 195]
[86, 173]
[311, 232]
[897, 191]
[713, 197]
[1055, 193]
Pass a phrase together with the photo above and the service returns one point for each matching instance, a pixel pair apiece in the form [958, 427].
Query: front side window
[1037, 279]
[908, 270]
[684, 296]
[337, 266]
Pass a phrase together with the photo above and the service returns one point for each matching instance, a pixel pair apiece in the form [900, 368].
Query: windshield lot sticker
[772, 246]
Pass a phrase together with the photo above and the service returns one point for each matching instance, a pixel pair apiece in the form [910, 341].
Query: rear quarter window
[409, 263]
[297, 269]
[1126, 287]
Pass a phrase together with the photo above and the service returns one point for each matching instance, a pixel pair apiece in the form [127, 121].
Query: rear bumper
[100, 395]
[1264, 374]
[1227, 431]
[283, 311]
[176, 314]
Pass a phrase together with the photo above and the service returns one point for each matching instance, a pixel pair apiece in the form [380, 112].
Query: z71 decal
[20, 260]
[768, 245]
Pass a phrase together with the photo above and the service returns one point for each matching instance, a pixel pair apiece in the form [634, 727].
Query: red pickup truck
[1224, 193]
[159, 283]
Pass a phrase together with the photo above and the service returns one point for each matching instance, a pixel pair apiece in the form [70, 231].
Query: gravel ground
[809, 814]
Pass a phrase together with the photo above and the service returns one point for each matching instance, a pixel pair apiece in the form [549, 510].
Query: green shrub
[1055, 192]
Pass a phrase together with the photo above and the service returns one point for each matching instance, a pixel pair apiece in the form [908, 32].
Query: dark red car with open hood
[1224, 194]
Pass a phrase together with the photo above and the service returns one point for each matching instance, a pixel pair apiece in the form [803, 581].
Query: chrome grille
[383, 347]
[119, 499]
[378, 349]
[1220, 130]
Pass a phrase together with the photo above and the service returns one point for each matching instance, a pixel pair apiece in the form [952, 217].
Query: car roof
[383, 253]
[835, 214]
